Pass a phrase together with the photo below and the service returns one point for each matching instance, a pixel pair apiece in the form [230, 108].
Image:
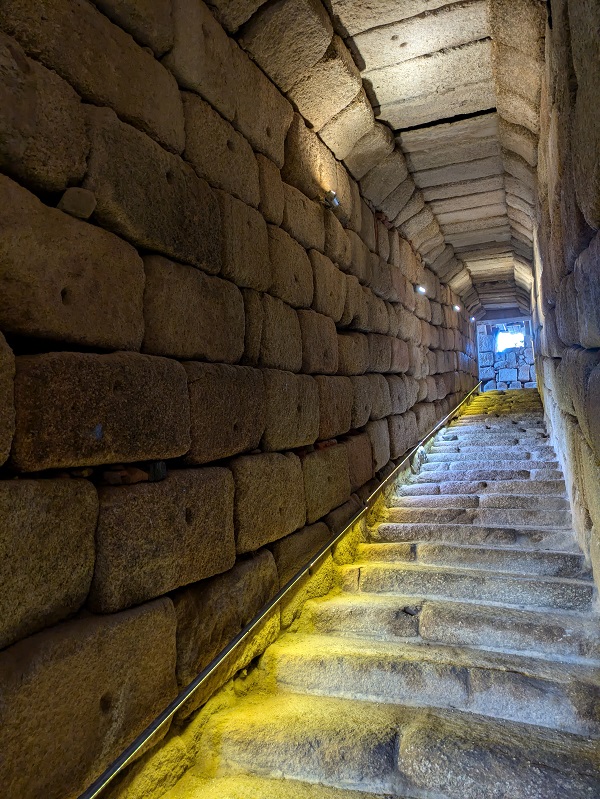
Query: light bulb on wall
[421, 289]
[472, 319]
[331, 199]
[456, 307]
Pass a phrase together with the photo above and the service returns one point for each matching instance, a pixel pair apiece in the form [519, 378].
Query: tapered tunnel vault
[251, 253]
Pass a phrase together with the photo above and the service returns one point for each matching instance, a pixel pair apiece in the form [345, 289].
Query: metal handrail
[128, 755]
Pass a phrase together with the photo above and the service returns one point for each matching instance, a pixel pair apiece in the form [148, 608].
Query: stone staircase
[459, 660]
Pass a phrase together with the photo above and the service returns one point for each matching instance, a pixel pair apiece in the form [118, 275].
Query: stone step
[487, 474]
[457, 583]
[556, 634]
[513, 487]
[497, 559]
[493, 464]
[488, 438]
[389, 749]
[531, 538]
[498, 685]
[457, 451]
[500, 517]
[246, 786]
[514, 501]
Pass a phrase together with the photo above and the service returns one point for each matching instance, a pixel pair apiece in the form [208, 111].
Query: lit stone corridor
[458, 656]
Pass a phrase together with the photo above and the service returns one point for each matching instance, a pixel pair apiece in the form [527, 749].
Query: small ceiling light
[472, 319]
[421, 289]
[331, 199]
[457, 307]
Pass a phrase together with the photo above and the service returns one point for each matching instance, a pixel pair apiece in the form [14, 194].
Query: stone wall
[567, 291]
[202, 369]
[512, 368]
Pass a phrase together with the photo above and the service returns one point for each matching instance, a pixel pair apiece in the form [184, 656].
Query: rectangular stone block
[398, 393]
[191, 315]
[64, 279]
[155, 537]
[383, 178]
[506, 375]
[218, 153]
[399, 441]
[43, 141]
[379, 434]
[356, 312]
[360, 460]
[227, 408]
[486, 359]
[359, 257]
[80, 409]
[380, 353]
[309, 165]
[379, 320]
[102, 63]
[400, 359]
[587, 274]
[335, 405]
[47, 534]
[149, 22]
[100, 679]
[269, 499]
[523, 373]
[319, 343]
[337, 243]
[326, 480]
[149, 196]
[485, 343]
[379, 390]
[245, 243]
[291, 410]
[281, 339]
[330, 287]
[271, 190]
[362, 401]
[293, 552]
[353, 353]
[342, 132]
[7, 398]
[292, 269]
[303, 219]
[487, 373]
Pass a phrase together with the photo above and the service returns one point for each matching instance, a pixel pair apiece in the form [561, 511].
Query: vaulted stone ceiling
[459, 85]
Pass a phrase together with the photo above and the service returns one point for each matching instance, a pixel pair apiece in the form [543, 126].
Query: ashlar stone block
[384, 177]
[399, 441]
[292, 269]
[291, 410]
[353, 353]
[319, 343]
[337, 243]
[335, 405]
[294, 551]
[342, 132]
[309, 165]
[81, 409]
[271, 190]
[149, 22]
[360, 460]
[227, 405]
[245, 244]
[303, 219]
[326, 480]
[587, 285]
[7, 398]
[155, 537]
[362, 401]
[379, 392]
[372, 148]
[281, 339]
[329, 286]
[379, 434]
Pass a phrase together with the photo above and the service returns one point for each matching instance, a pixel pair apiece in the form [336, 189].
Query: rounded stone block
[291, 410]
[326, 480]
[319, 343]
[292, 270]
[245, 244]
[335, 405]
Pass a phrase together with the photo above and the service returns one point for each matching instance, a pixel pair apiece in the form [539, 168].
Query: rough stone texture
[42, 132]
[291, 411]
[342, 132]
[155, 537]
[191, 315]
[303, 219]
[233, 13]
[150, 197]
[149, 22]
[309, 165]
[326, 480]
[329, 287]
[566, 311]
[292, 269]
[227, 408]
[287, 38]
[587, 285]
[379, 434]
[360, 460]
[369, 150]
[245, 241]
[379, 393]
[399, 441]
[327, 87]
[218, 153]
[335, 406]
[380, 353]
[383, 178]
[269, 499]
[353, 353]
[356, 312]
[362, 401]
[100, 680]
[77, 202]
[319, 343]
[102, 63]
[279, 351]
[272, 198]
[48, 552]
[77, 409]
[7, 402]
[58, 276]
[337, 244]
[294, 551]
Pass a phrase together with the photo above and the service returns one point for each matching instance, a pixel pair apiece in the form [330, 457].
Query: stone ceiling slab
[352, 17]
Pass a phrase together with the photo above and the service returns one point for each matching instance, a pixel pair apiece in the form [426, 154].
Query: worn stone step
[493, 464]
[487, 474]
[512, 687]
[390, 532]
[465, 452]
[514, 437]
[500, 517]
[457, 583]
[497, 559]
[513, 487]
[555, 634]
[389, 749]
[514, 501]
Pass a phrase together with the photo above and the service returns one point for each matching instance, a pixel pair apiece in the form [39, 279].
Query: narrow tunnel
[308, 291]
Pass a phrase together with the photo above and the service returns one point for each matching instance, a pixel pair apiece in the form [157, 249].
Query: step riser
[502, 517]
[445, 454]
[391, 533]
[458, 476]
[451, 487]
[464, 501]
[493, 464]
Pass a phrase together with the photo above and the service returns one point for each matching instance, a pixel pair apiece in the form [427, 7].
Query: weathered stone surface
[378, 317]
[353, 353]
[379, 392]
[281, 339]
[155, 537]
[399, 438]
[326, 480]
[360, 459]
[383, 178]
[393, 205]
[128, 407]
[329, 287]
[362, 401]
[48, 544]
[233, 13]
[102, 63]
[587, 285]
[337, 244]
[292, 269]
[191, 315]
[77, 202]
[370, 150]
[272, 199]
[309, 165]
[319, 343]
[303, 219]
[398, 393]
[269, 498]
[42, 133]
[100, 679]
[254, 313]
[291, 411]
[335, 406]
[294, 551]
[328, 86]
[218, 153]
[566, 311]
[356, 312]
[227, 406]
[380, 441]
[287, 38]
[149, 22]
[59, 274]
[7, 401]
[380, 353]
[360, 257]
[342, 132]
[158, 202]
[245, 241]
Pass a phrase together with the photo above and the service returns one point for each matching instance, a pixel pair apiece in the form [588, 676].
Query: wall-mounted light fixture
[421, 289]
[472, 319]
[330, 200]
[456, 307]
